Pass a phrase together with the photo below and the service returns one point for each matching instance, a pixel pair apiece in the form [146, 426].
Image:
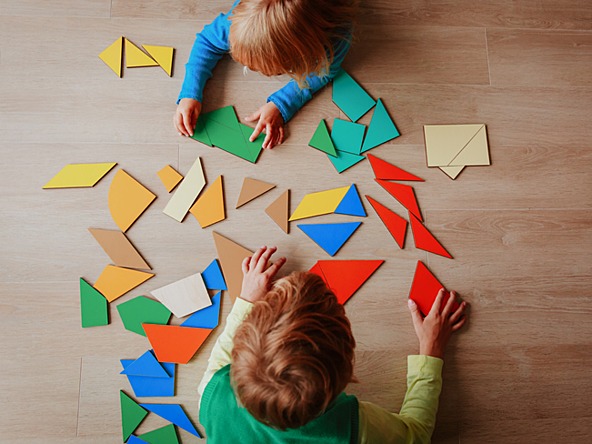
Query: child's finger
[459, 324]
[281, 138]
[187, 121]
[458, 313]
[255, 258]
[438, 302]
[179, 124]
[275, 267]
[415, 314]
[264, 259]
[449, 304]
[253, 117]
[245, 264]
[256, 131]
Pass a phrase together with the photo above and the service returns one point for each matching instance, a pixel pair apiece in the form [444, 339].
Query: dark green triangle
[142, 310]
[131, 415]
[321, 140]
[93, 306]
[255, 146]
[163, 435]
[200, 133]
[225, 116]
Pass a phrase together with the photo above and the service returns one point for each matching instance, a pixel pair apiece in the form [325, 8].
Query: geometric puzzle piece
[206, 317]
[128, 199]
[351, 204]
[135, 57]
[350, 97]
[146, 365]
[113, 56]
[142, 310]
[381, 129]
[93, 306]
[452, 171]
[475, 152]
[163, 435]
[209, 207]
[404, 194]
[190, 187]
[251, 189]
[225, 116]
[117, 281]
[317, 204]
[456, 145]
[255, 147]
[169, 177]
[425, 240]
[425, 288]
[79, 175]
[387, 171]
[344, 160]
[133, 439]
[144, 386]
[330, 237]
[231, 256]
[173, 413]
[185, 296]
[173, 343]
[213, 277]
[321, 140]
[163, 55]
[394, 223]
[131, 415]
[279, 211]
[347, 136]
[119, 248]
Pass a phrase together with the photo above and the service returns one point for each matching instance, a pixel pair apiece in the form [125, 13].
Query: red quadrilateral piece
[425, 288]
[387, 171]
[396, 225]
[404, 194]
[173, 343]
[425, 240]
[344, 278]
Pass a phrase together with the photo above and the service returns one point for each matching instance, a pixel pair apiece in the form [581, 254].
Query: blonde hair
[293, 37]
[293, 354]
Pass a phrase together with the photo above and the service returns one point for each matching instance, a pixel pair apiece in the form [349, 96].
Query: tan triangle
[231, 257]
[279, 211]
[163, 56]
[251, 189]
[209, 208]
[117, 281]
[444, 142]
[113, 56]
[169, 177]
[135, 57]
[452, 171]
[475, 152]
[119, 248]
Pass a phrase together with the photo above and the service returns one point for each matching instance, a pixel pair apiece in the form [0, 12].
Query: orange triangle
[251, 189]
[279, 211]
[209, 208]
[173, 343]
[117, 281]
[396, 225]
[404, 194]
[384, 170]
[425, 288]
[425, 240]
[231, 257]
[169, 177]
[344, 278]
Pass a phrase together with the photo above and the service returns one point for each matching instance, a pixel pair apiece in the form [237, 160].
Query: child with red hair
[278, 370]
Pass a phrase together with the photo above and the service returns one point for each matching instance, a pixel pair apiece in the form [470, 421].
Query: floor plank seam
[79, 396]
[487, 55]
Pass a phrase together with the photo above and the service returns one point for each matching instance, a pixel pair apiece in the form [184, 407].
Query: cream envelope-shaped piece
[456, 146]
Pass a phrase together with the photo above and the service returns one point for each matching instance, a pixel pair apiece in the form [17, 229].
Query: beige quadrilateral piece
[251, 189]
[186, 193]
[231, 257]
[119, 248]
[279, 211]
[185, 296]
[209, 208]
[128, 199]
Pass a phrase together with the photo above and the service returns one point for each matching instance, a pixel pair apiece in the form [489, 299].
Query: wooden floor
[520, 230]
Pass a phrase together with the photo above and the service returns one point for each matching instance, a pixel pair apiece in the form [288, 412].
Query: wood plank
[60, 8]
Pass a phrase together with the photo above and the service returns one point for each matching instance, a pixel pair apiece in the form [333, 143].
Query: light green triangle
[344, 160]
[381, 128]
[142, 310]
[321, 140]
[163, 435]
[131, 415]
[93, 306]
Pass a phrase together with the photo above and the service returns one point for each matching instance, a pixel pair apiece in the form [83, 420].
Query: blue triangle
[173, 413]
[146, 365]
[133, 439]
[351, 204]
[330, 237]
[213, 277]
[206, 317]
[144, 386]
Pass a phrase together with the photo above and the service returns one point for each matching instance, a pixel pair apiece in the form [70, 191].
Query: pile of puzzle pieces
[155, 55]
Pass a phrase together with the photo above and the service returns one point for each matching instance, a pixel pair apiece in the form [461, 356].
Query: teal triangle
[381, 128]
[213, 277]
[321, 140]
[131, 415]
[146, 365]
[93, 306]
[330, 237]
[163, 435]
[351, 204]
[206, 317]
[344, 160]
[173, 413]
[347, 136]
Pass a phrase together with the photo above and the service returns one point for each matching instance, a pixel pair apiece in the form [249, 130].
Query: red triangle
[344, 278]
[316, 269]
[425, 240]
[173, 343]
[396, 225]
[404, 194]
[384, 170]
[425, 288]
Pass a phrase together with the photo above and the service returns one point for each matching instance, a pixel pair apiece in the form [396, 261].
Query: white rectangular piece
[185, 296]
[186, 193]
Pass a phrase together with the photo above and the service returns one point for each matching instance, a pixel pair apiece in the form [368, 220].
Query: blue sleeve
[291, 97]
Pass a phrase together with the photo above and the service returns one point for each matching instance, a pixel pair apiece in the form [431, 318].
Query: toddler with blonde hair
[305, 39]
[278, 371]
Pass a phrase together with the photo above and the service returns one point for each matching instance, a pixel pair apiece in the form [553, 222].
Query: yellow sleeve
[223, 347]
[416, 420]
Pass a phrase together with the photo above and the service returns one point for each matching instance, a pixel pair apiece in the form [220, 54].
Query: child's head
[293, 354]
[293, 37]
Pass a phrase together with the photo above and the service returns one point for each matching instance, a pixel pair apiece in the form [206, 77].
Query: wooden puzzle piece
[394, 223]
[113, 56]
[350, 97]
[117, 281]
[131, 415]
[425, 240]
[185, 296]
[119, 248]
[279, 211]
[94, 310]
[163, 55]
[255, 147]
[351, 204]
[186, 193]
[163, 435]
[231, 257]
[452, 171]
[173, 413]
[173, 343]
[381, 128]
[425, 288]
[251, 189]
[79, 175]
[404, 194]
[317, 204]
[321, 140]
[387, 171]
[144, 386]
[128, 199]
[330, 237]
[213, 277]
[169, 177]
[142, 310]
[146, 365]
[209, 208]
[133, 439]
[206, 317]
[200, 133]
[136, 58]
[225, 116]
[344, 160]
[347, 136]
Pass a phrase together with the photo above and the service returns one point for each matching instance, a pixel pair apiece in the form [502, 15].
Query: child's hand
[435, 329]
[186, 116]
[257, 276]
[270, 121]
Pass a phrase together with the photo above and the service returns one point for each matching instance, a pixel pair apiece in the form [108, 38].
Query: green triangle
[321, 140]
[381, 128]
[163, 435]
[93, 306]
[131, 415]
[142, 310]
[344, 160]
[200, 133]
[224, 116]
[255, 146]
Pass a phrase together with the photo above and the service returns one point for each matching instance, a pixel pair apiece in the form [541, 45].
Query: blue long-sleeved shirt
[212, 43]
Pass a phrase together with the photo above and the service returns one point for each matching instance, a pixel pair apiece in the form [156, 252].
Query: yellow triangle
[316, 204]
[209, 208]
[113, 55]
[79, 175]
[127, 199]
[169, 177]
[117, 281]
[163, 56]
[135, 57]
